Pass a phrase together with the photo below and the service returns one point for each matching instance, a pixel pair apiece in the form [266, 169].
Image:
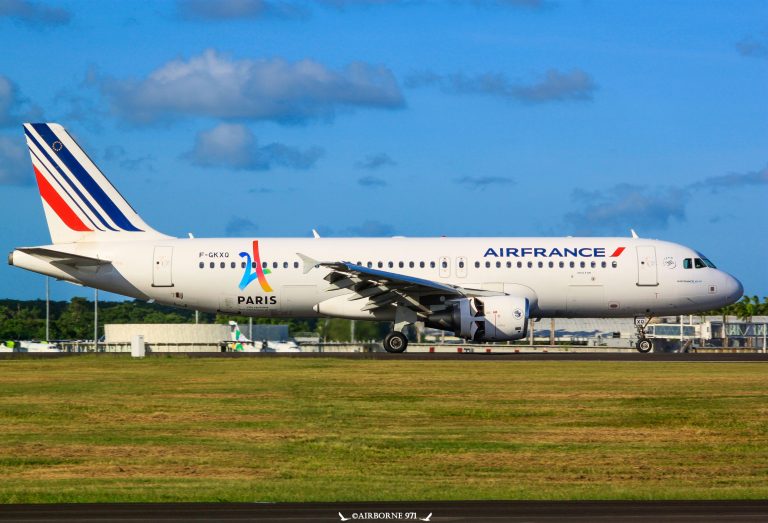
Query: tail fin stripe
[63, 190]
[77, 191]
[57, 203]
[86, 180]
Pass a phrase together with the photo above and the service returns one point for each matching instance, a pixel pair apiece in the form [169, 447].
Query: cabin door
[161, 267]
[646, 266]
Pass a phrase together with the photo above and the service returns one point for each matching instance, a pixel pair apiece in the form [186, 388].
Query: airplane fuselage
[561, 277]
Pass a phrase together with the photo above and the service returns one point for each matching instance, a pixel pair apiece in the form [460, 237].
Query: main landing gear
[395, 342]
[643, 344]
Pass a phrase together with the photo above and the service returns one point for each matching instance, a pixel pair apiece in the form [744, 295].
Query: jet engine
[490, 318]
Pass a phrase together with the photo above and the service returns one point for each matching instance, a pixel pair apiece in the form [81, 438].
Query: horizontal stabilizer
[63, 258]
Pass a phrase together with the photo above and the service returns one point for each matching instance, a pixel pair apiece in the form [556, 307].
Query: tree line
[73, 320]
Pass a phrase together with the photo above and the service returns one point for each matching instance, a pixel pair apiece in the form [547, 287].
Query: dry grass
[164, 429]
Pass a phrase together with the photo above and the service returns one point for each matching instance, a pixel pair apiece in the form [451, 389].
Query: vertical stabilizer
[80, 203]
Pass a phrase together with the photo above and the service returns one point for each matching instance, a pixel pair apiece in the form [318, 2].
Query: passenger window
[572, 264]
[603, 264]
[242, 265]
[477, 265]
[551, 264]
[699, 264]
[582, 265]
[380, 265]
[461, 265]
[498, 265]
[401, 264]
[421, 264]
[369, 264]
[202, 264]
[263, 265]
[213, 265]
[509, 264]
[296, 265]
[285, 265]
[614, 264]
[274, 265]
[487, 265]
[519, 265]
[530, 264]
[410, 264]
[390, 265]
[561, 264]
[687, 263]
[541, 264]
[593, 264]
[222, 265]
[431, 265]
[444, 264]
[233, 265]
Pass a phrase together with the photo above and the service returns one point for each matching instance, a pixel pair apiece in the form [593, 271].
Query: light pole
[96, 320]
[47, 310]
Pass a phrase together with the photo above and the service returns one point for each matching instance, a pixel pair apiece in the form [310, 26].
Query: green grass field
[108, 428]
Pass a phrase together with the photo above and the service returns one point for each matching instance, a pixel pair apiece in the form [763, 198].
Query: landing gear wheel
[395, 342]
[644, 345]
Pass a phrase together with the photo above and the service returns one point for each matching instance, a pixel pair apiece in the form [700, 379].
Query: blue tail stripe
[71, 184]
[65, 191]
[86, 180]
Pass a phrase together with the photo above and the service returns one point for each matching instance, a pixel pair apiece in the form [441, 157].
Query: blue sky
[416, 118]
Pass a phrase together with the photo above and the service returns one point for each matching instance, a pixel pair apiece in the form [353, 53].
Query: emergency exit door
[162, 265]
[646, 266]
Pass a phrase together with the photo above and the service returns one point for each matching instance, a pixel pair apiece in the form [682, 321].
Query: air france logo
[260, 273]
[555, 252]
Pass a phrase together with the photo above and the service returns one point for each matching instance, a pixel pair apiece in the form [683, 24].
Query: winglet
[315, 233]
[309, 263]
[634, 234]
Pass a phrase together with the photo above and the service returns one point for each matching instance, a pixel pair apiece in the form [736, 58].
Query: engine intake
[491, 318]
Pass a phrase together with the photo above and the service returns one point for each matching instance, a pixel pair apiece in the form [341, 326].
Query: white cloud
[14, 109]
[214, 85]
[33, 13]
[234, 146]
[15, 166]
[624, 206]
[238, 9]
[554, 86]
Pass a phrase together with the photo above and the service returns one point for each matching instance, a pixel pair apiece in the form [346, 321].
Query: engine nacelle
[490, 318]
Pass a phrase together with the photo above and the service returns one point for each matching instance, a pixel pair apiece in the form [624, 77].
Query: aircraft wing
[63, 258]
[383, 288]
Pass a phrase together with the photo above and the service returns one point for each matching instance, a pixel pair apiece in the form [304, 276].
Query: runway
[700, 357]
[511, 357]
[437, 511]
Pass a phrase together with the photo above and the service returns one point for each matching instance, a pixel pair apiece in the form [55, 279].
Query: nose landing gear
[643, 344]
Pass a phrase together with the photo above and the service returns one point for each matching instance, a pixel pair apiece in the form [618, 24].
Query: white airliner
[241, 343]
[482, 289]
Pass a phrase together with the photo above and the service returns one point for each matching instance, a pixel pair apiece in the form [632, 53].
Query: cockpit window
[687, 263]
[705, 261]
[698, 263]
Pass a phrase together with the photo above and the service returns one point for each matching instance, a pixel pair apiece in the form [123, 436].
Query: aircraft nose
[733, 289]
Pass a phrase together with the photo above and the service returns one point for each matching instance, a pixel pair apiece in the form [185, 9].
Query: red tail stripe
[617, 252]
[58, 205]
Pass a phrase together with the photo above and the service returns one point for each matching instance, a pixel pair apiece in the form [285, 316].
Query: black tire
[395, 342]
[644, 345]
